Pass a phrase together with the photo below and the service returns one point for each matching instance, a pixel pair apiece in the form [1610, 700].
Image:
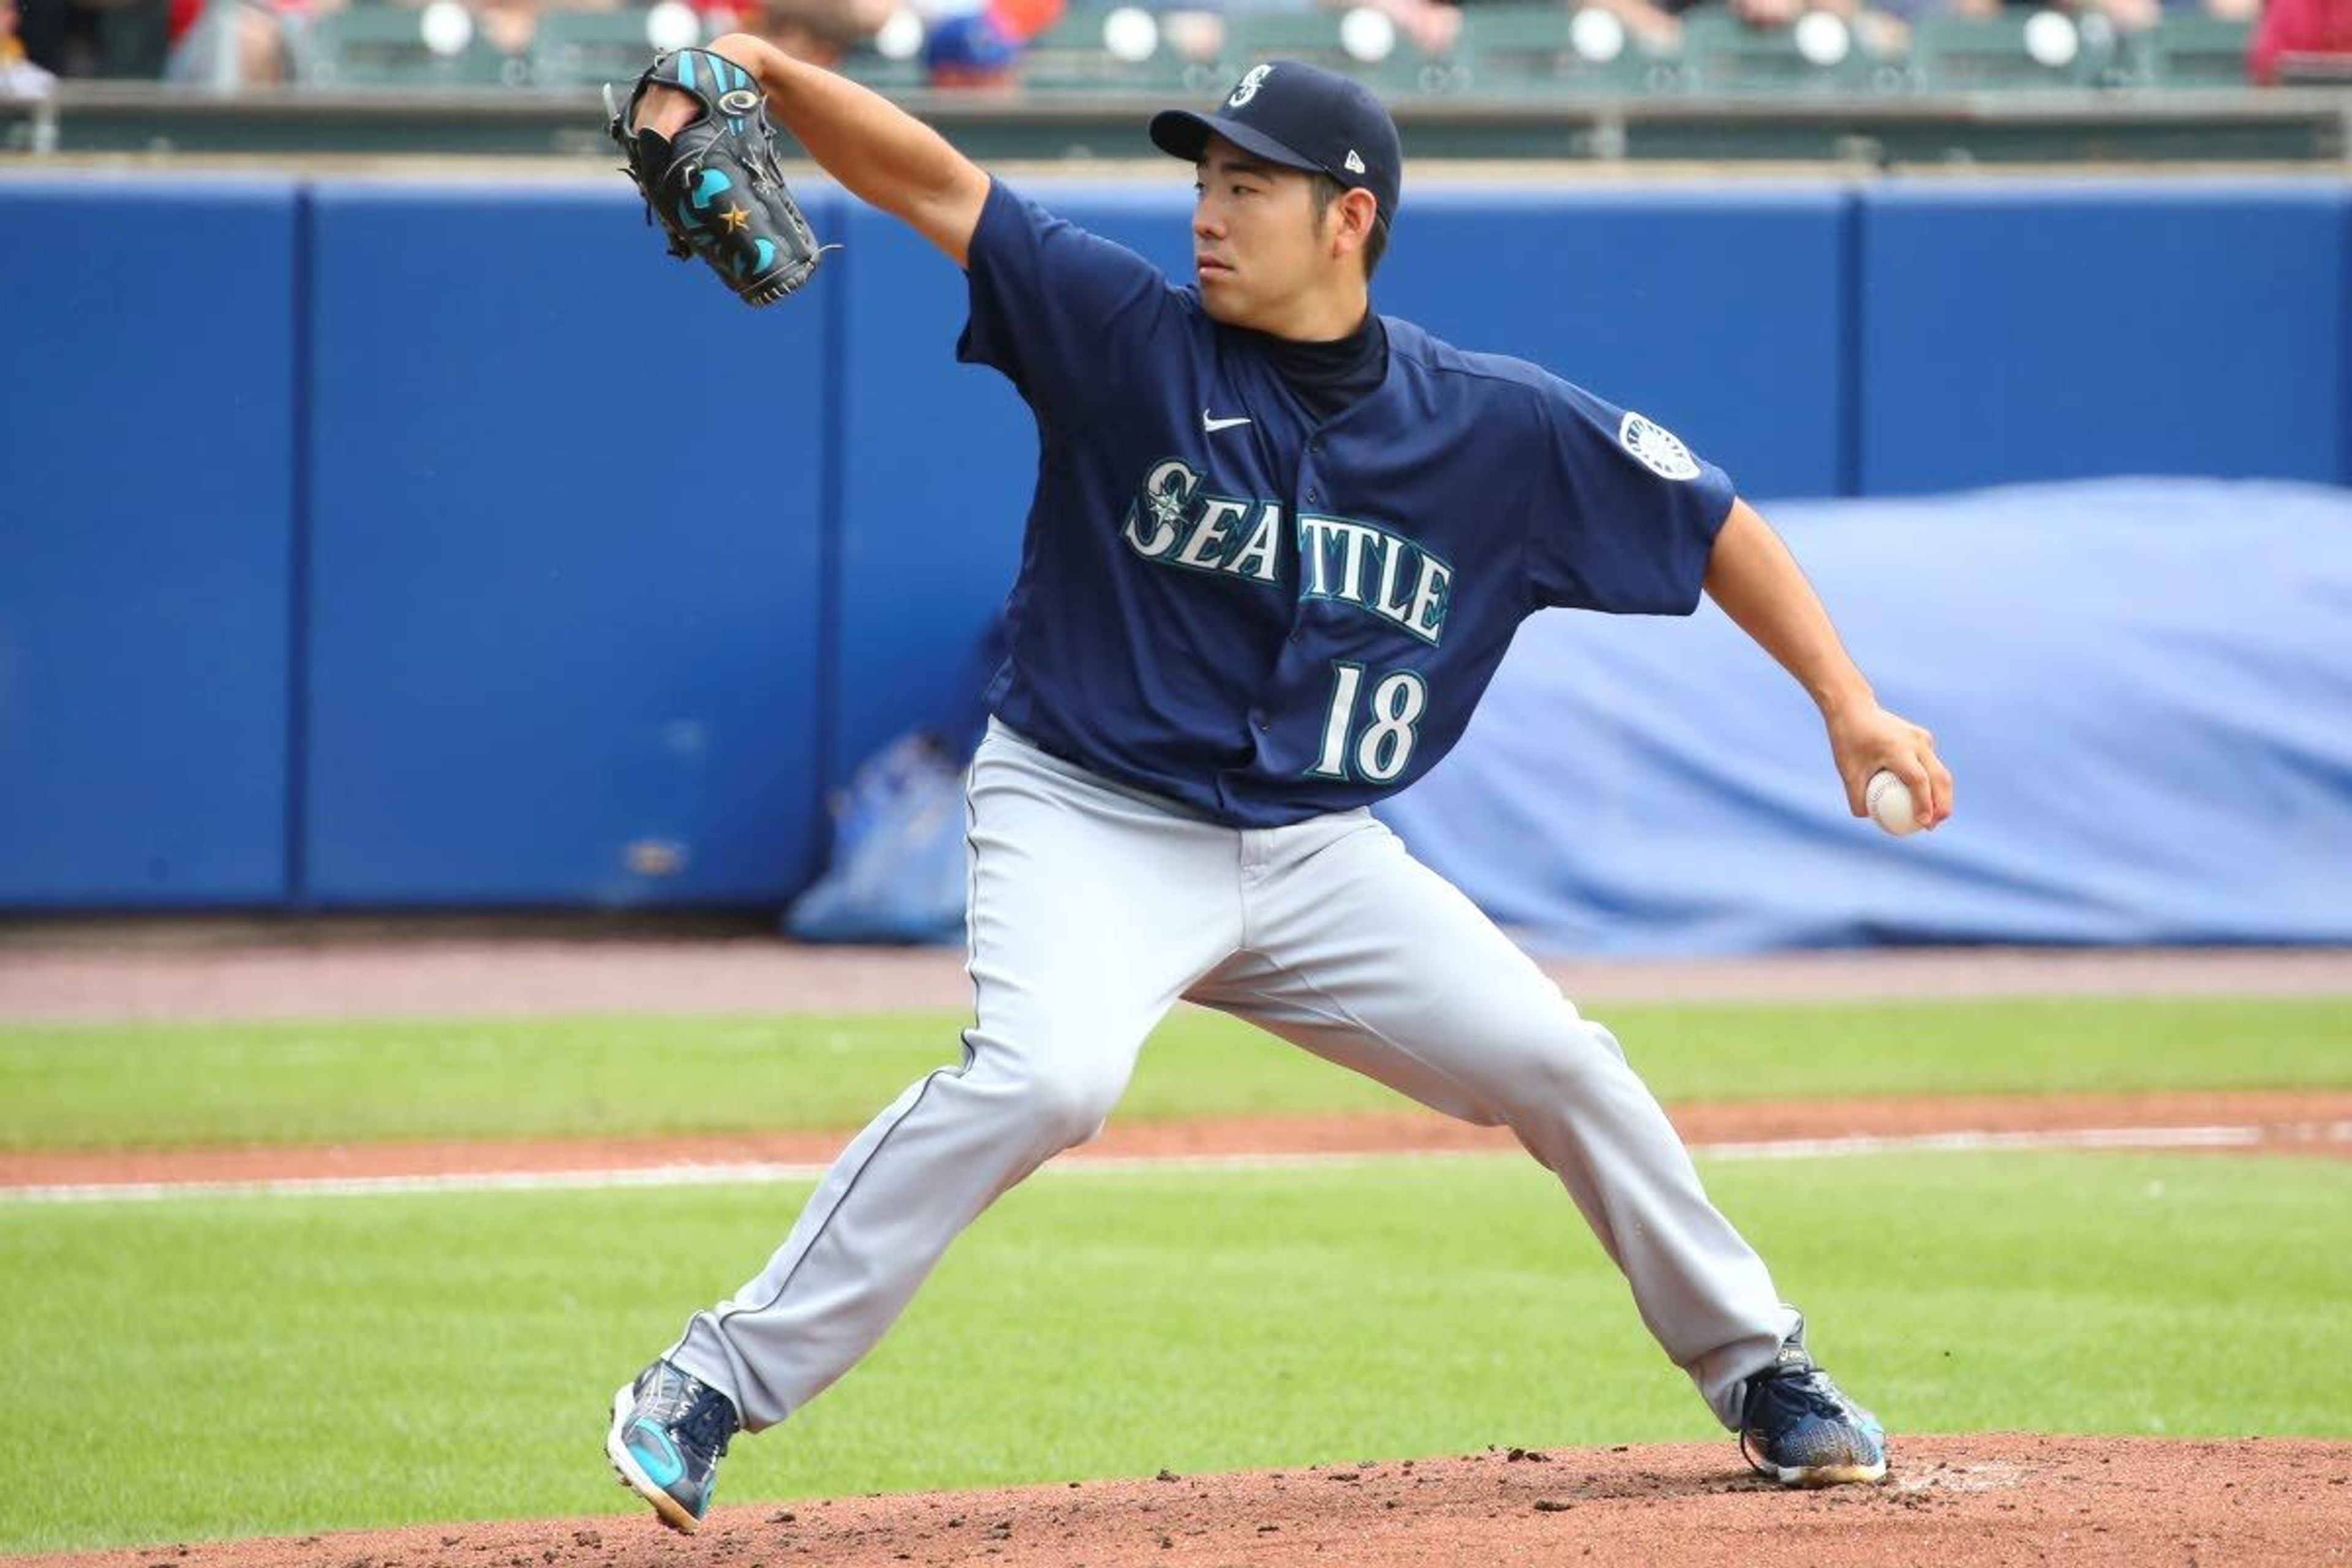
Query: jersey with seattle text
[1265, 617]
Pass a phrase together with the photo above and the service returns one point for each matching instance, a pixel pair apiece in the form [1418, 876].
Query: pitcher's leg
[1089, 914]
[1364, 956]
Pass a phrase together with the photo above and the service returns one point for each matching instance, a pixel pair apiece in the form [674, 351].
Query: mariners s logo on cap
[1317, 120]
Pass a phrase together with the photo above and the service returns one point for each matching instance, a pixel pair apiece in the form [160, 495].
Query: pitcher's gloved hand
[715, 185]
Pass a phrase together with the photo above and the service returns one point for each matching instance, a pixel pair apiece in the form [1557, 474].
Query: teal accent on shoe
[713, 180]
[662, 1468]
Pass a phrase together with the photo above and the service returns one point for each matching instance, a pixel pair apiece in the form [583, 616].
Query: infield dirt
[1964, 1501]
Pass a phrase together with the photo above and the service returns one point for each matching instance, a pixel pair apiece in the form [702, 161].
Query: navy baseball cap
[1302, 117]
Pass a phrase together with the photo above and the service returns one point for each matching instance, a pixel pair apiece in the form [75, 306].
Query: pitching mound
[1949, 1500]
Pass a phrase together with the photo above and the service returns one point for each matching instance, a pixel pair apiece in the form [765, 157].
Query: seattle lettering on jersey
[1218, 534]
[1172, 521]
[1362, 564]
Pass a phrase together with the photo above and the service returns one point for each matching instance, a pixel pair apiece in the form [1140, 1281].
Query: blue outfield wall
[147, 432]
[567, 526]
[2015, 332]
[1718, 310]
[377, 580]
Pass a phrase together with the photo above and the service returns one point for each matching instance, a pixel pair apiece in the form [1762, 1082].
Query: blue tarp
[2144, 688]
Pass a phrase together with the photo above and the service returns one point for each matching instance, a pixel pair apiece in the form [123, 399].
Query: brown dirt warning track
[1992, 1498]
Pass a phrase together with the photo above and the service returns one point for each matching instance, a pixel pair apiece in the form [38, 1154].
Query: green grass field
[225, 1367]
[161, 1085]
[218, 1367]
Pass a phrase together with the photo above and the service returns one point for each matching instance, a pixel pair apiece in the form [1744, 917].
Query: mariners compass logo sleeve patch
[1658, 447]
[1631, 514]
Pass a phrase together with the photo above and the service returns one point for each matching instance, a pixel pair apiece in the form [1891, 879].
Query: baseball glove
[716, 187]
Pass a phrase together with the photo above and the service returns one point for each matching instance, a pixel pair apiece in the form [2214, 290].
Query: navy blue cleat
[1800, 1428]
[669, 1431]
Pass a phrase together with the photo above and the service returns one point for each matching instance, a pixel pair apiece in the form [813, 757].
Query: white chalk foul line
[754, 1171]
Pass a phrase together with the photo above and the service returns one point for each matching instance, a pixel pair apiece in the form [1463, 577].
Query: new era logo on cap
[1302, 117]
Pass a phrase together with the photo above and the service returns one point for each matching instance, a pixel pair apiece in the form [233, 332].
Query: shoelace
[709, 1424]
[1814, 1391]
[1810, 1389]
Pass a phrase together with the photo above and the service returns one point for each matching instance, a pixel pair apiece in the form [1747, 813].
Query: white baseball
[1889, 800]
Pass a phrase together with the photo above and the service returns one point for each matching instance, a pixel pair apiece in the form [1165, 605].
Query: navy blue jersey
[1226, 603]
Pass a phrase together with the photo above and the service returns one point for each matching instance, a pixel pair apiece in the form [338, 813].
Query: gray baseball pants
[1093, 909]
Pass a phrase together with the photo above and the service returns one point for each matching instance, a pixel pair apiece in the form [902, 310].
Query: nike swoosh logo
[657, 1463]
[1213, 425]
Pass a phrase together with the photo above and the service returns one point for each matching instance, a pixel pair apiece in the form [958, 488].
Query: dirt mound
[1948, 1501]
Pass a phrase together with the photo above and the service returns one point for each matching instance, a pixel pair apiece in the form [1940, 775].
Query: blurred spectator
[978, 43]
[1025, 19]
[819, 31]
[230, 44]
[1657, 24]
[97, 38]
[1768, 13]
[970, 48]
[1192, 33]
[1884, 27]
[1198, 33]
[19, 77]
[1432, 24]
[2149, 12]
[2306, 39]
[2130, 16]
[506, 25]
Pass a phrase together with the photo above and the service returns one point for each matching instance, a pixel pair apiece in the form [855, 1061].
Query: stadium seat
[1976, 54]
[1512, 51]
[2189, 50]
[584, 49]
[1070, 56]
[1722, 54]
[1313, 36]
[384, 46]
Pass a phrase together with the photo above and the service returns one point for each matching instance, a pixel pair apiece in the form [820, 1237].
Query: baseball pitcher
[1278, 546]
